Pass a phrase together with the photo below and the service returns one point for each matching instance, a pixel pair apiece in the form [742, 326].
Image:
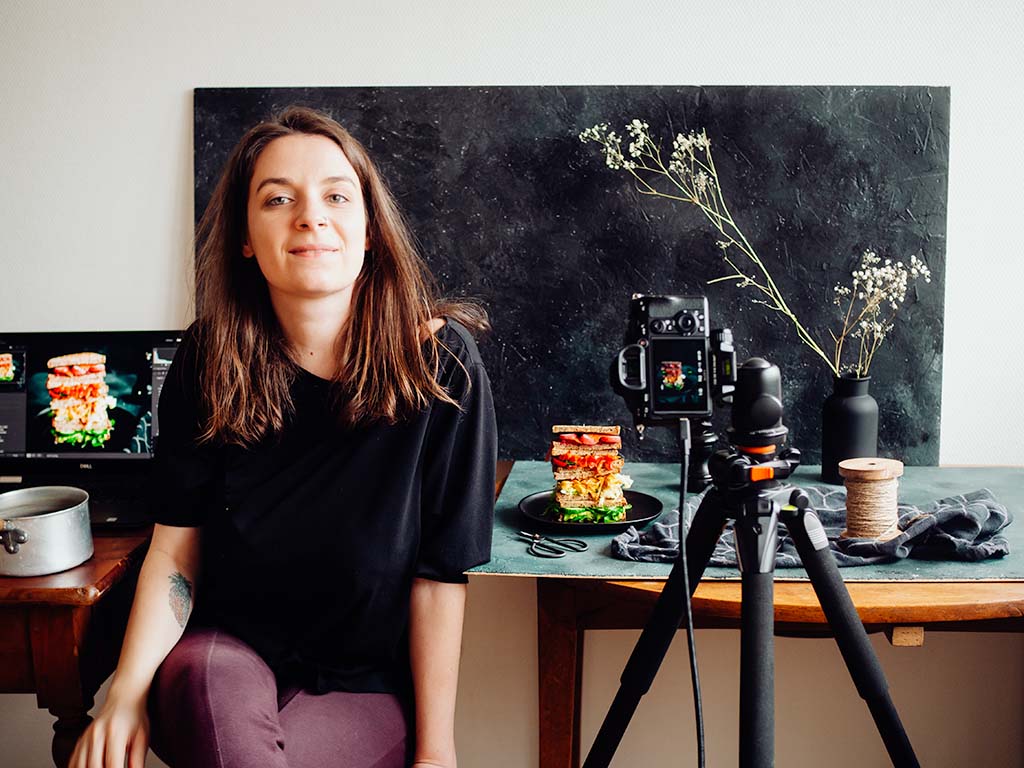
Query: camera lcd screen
[678, 376]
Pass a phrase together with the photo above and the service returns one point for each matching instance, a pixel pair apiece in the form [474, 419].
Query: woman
[326, 459]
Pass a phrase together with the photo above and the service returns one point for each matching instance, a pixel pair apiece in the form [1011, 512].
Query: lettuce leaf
[587, 514]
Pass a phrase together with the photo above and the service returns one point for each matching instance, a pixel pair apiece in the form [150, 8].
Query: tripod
[746, 489]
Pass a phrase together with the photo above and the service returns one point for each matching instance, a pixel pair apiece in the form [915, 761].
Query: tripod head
[757, 435]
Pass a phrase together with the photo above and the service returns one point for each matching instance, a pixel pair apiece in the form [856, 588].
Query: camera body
[673, 366]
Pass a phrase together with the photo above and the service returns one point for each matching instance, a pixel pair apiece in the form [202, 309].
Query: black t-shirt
[310, 542]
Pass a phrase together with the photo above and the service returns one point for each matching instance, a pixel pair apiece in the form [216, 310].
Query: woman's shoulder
[186, 355]
[456, 341]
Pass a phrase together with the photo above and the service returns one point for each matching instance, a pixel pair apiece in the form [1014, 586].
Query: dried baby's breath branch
[875, 285]
[691, 177]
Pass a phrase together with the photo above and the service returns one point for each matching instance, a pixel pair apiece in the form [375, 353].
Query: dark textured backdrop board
[512, 209]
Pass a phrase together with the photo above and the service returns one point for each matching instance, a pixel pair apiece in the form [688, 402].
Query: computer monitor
[81, 402]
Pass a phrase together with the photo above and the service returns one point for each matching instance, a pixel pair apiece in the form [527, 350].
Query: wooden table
[60, 635]
[567, 607]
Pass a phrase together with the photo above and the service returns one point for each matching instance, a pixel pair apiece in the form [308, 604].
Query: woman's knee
[206, 661]
[215, 690]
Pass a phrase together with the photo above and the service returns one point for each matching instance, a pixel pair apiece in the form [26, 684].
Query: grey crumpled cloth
[960, 527]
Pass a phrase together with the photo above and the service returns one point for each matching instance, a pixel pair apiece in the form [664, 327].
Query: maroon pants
[216, 704]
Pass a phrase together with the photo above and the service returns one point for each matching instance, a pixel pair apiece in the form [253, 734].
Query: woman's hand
[121, 728]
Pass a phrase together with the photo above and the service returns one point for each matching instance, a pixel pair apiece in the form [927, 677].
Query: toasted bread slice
[575, 502]
[577, 474]
[66, 382]
[589, 429]
[559, 448]
[572, 502]
[79, 358]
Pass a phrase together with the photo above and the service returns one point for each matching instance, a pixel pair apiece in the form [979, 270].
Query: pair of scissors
[541, 546]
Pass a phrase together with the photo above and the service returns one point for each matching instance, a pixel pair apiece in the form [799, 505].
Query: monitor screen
[81, 396]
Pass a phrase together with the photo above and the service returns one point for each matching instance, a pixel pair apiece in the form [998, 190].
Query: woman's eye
[337, 198]
[280, 200]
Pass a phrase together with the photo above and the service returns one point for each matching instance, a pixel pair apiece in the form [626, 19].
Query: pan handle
[12, 538]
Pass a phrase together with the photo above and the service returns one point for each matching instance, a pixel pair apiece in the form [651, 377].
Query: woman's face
[306, 219]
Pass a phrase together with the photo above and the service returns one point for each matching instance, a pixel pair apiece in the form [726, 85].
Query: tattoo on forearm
[180, 598]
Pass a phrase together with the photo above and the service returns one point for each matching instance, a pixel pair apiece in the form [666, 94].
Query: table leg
[63, 662]
[71, 724]
[560, 664]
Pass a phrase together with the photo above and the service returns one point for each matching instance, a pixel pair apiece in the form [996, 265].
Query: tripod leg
[756, 533]
[667, 615]
[757, 671]
[812, 544]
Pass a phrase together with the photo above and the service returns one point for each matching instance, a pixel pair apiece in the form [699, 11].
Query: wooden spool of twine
[871, 489]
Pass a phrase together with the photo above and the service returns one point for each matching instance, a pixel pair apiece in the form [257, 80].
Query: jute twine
[871, 490]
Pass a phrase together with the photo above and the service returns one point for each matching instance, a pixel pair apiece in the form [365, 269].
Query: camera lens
[687, 322]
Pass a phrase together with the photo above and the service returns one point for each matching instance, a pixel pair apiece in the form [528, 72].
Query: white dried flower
[701, 182]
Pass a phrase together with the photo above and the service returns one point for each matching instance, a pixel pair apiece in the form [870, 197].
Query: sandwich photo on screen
[80, 400]
[94, 398]
[679, 375]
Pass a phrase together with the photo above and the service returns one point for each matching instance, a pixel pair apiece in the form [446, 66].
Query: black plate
[645, 508]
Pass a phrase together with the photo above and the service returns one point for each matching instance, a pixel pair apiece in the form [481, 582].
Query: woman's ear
[247, 251]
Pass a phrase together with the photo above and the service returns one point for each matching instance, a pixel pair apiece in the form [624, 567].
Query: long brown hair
[387, 360]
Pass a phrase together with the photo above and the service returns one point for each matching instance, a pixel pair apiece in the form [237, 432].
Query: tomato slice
[611, 439]
[569, 437]
[588, 439]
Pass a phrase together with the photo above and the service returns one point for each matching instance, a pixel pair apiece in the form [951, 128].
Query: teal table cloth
[918, 485]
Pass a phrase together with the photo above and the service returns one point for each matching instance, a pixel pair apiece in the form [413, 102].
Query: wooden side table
[60, 635]
[567, 607]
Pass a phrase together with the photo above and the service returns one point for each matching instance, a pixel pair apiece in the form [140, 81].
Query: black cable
[684, 439]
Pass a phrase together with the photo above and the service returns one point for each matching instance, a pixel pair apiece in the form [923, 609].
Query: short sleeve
[186, 472]
[457, 512]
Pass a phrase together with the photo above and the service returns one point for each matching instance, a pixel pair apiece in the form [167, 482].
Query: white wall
[95, 147]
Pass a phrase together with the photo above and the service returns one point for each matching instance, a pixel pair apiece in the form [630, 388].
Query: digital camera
[673, 366]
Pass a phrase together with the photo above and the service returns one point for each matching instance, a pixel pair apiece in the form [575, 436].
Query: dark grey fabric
[962, 527]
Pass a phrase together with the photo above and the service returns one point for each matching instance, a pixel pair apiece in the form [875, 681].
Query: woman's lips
[312, 251]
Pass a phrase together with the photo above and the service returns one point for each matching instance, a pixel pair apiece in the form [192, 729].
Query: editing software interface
[78, 395]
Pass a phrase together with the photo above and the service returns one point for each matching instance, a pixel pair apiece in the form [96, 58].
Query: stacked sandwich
[6, 366]
[588, 485]
[79, 399]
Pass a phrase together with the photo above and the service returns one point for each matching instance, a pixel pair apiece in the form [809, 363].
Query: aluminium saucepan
[44, 530]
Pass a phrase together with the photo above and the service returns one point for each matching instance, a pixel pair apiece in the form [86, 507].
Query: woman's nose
[311, 217]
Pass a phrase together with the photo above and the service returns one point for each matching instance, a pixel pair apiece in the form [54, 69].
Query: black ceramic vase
[849, 425]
